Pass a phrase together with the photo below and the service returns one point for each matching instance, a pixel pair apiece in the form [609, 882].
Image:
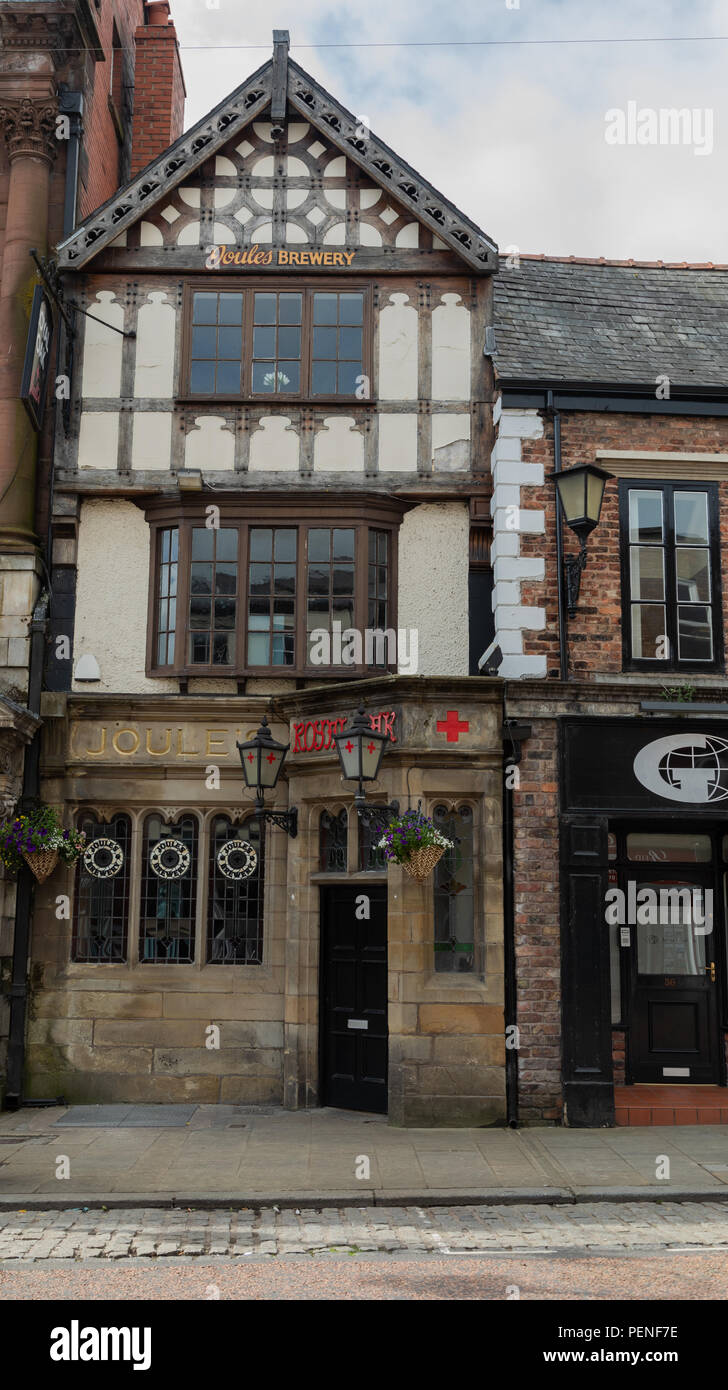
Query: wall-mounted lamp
[360, 749]
[262, 758]
[580, 492]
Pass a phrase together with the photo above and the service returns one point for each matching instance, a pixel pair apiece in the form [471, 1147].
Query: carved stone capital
[29, 128]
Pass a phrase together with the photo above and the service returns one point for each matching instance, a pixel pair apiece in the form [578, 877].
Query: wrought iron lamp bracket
[285, 820]
[574, 566]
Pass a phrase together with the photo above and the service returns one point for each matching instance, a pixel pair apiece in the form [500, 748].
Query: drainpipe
[71, 104]
[24, 900]
[563, 648]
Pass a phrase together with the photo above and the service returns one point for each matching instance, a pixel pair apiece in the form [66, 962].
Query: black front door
[354, 997]
[673, 1034]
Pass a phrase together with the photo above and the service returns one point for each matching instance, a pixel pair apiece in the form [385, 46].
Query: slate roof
[612, 322]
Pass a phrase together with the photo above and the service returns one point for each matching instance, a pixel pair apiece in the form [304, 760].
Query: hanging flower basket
[41, 862]
[423, 861]
[39, 840]
[413, 841]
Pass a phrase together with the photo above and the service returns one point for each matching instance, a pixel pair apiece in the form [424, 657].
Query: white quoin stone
[398, 350]
[520, 667]
[451, 350]
[102, 347]
[507, 591]
[154, 371]
[275, 446]
[526, 474]
[527, 424]
[98, 440]
[210, 447]
[397, 443]
[532, 567]
[512, 615]
[151, 439]
[338, 447]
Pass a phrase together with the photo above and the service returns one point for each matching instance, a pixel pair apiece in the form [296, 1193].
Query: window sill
[308, 401]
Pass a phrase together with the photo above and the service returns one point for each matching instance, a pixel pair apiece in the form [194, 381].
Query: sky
[552, 146]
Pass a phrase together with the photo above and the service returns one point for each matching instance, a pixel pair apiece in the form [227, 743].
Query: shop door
[354, 997]
[673, 1035]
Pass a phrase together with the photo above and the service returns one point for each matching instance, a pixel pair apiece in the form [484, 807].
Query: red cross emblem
[370, 748]
[453, 726]
[250, 757]
[349, 746]
[271, 758]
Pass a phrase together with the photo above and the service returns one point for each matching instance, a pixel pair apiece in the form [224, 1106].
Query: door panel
[674, 993]
[354, 999]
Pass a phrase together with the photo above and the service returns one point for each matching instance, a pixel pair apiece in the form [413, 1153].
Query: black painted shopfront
[644, 867]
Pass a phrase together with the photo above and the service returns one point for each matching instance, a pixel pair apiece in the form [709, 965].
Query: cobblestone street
[593, 1227]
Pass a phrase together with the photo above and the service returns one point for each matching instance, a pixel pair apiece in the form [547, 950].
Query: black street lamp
[360, 749]
[580, 491]
[262, 758]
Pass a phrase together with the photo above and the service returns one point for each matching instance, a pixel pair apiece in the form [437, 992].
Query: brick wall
[537, 932]
[595, 633]
[105, 161]
[159, 90]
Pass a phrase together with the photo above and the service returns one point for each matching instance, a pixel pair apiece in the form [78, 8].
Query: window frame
[668, 488]
[361, 513]
[307, 287]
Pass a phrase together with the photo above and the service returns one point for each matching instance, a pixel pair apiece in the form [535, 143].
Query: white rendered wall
[451, 350]
[111, 598]
[433, 564]
[398, 350]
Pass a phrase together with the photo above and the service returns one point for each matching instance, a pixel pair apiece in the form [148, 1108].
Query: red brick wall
[619, 1044]
[595, 633]
[537, 932]
[159, 94]
[103, 165]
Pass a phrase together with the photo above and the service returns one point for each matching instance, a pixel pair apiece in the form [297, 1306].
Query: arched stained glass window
[453, 892]
[333, 842]
[235, 896]
[169, 891]
[101, 896]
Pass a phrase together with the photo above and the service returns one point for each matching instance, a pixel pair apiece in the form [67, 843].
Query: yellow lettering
[328, 258]
[282, 257]
[348, 256]
[184, 752]
[158, 752]
[95, 752]
[228, 258]
[338, 258]
[315, 257]
[268, 258]
[213, 259]
[219, 743]
[125, 752]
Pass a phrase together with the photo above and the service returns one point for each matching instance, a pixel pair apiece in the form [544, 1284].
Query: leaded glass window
[235, 893]
[169, 891]
[333, 842]
[371, 859]
[453, 893]
[101, 897]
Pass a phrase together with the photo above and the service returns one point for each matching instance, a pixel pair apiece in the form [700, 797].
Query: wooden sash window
[250, 596]
[260, 342]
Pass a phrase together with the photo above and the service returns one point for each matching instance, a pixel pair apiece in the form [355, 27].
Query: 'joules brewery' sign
[256, 257]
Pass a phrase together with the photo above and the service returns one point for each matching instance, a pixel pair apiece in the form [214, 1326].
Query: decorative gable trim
[161, 176]
[341, 129]
[391, 173]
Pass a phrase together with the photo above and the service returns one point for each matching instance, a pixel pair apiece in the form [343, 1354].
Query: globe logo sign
[685, 767]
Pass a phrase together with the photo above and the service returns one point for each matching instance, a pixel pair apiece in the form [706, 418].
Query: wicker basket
[423, 861]
[41, 863]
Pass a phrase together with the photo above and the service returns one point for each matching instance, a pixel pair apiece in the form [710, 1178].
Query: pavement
[248, 1157]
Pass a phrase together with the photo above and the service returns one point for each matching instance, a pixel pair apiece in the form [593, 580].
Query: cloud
[512, 134]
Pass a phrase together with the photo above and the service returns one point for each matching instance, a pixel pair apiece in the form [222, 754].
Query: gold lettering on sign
[216, 745]
[158, 752]
[125, 752]
[96, 752]
[184, 752]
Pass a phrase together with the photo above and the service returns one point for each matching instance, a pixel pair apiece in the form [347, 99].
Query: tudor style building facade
[278, 442]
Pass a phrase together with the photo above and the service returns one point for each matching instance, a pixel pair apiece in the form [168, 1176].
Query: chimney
[159, 88]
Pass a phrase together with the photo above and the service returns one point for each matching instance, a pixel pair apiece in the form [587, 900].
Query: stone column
[28, 128]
